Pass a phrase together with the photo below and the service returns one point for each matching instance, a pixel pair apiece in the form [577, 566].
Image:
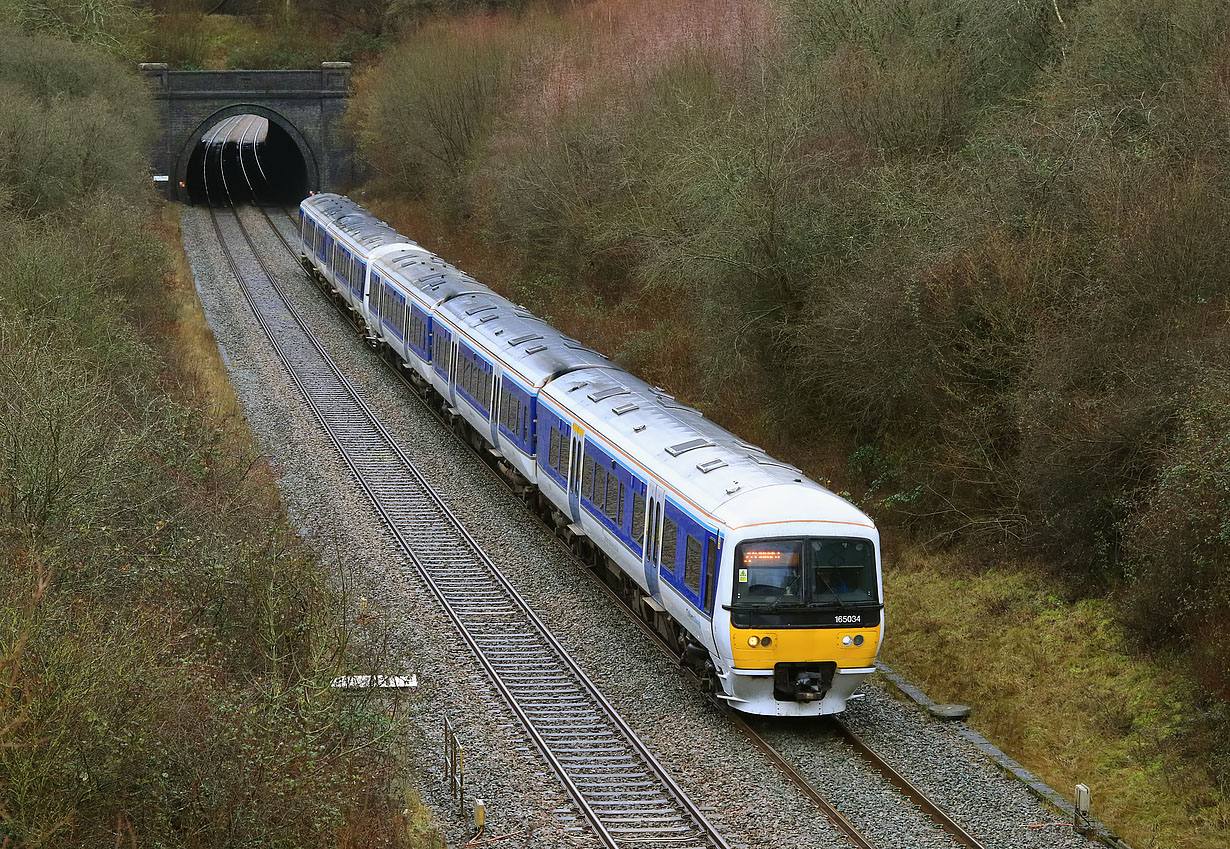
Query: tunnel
[246, 158]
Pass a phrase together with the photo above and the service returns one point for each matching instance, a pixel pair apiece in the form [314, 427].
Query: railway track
[616, 784]
[910, 792]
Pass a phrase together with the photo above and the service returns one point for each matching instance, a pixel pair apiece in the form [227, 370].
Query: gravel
[742, 794]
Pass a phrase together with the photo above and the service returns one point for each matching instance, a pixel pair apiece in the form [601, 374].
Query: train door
[454, 350]
[496, 406]
[574, 472]
[652, 550]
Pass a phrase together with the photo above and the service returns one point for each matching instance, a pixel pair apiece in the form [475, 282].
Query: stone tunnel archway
[181, 177]
[306, 105]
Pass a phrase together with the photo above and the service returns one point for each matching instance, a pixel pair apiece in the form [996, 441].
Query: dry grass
[198, 361]
[195, 366]
[1052, 684]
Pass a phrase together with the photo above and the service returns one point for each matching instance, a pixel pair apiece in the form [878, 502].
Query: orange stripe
[800, 521]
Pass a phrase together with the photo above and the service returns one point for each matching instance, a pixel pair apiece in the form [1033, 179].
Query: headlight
[753, 641]
[858, 639]
[845, 641]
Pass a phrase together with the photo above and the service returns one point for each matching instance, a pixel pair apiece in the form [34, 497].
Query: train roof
[700, 460]
[534, 350]
[430, 277]
[358, 225]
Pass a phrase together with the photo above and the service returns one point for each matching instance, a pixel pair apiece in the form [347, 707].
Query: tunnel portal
[210, 118]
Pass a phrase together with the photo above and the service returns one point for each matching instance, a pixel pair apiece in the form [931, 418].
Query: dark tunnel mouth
[272, 170]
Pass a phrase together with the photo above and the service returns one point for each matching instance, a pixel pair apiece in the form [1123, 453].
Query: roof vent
[690, 445]
[711, 465]
[609, 392]
[625, 408]
[477, 310]
[536, 349]
[517, 340]
[779, 464]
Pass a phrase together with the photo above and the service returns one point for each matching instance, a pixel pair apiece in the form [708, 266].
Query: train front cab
[801, 605]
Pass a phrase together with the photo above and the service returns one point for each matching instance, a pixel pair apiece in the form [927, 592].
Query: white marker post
[1080, 810]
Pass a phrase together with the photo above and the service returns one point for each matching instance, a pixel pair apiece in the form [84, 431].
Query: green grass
[1055, 684]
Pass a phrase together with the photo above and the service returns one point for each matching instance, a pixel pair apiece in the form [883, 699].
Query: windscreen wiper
[829, 587]
[773, 602]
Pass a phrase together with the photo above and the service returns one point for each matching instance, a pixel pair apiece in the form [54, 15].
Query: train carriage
[414, 285]
[340, 240]
[671, 498]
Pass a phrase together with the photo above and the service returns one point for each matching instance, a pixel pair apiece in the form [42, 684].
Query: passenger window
[599, 487]
[670, 542]
[587, 478]
[692, 565]
[553, 454]
[620, 520]
[612, 496]
[638, 515]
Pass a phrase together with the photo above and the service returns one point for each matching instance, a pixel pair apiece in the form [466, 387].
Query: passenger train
[768, 584]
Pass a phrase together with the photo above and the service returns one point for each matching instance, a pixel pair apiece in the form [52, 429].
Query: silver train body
[767, 583]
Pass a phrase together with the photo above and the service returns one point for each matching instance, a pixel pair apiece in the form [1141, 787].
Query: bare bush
[65, 455]
[421, 117]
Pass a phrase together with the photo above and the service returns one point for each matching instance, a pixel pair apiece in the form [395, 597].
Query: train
[766, 584]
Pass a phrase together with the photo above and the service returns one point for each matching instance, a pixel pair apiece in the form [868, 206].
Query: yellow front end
[763, 648]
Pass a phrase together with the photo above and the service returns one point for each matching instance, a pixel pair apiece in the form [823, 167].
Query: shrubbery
[166, 644]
